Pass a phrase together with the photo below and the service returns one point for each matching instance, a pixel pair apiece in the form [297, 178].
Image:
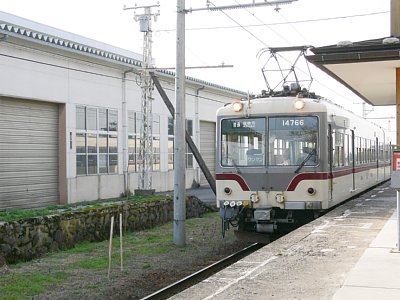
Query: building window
[170, 144]
[96, 141]
[188, 154]
[133, 134]
[156, 142]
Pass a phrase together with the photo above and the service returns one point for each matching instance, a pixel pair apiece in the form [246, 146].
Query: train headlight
[299, 103]
[227, 190]
[237, 106]
[311, 191]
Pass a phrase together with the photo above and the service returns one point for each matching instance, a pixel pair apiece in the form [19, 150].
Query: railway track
[202, 274]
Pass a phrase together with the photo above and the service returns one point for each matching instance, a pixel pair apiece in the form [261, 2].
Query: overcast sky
[233, 37]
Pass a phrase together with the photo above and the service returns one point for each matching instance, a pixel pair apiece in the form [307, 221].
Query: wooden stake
[110, 246]
[120, 242]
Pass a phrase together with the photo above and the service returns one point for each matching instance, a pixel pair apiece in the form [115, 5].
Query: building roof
[368, 68]
[24, 29]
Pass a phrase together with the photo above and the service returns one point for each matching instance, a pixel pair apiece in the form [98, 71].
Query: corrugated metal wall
[28, 153]
[207, 147]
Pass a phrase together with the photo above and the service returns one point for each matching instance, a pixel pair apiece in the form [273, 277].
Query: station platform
[349, 253]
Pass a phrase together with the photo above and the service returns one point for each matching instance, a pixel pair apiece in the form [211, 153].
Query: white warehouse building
[69, 114]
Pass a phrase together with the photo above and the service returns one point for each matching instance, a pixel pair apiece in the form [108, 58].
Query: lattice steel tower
[145, 155]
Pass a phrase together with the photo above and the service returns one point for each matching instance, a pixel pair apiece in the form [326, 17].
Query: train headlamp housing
[299, 103]
[227, 190]
[237, 106]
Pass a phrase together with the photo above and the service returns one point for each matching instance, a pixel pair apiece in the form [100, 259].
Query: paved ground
[204, 193]
[320, 260]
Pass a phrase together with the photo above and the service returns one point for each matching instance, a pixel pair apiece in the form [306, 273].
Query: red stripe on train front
[306, 176]
[239, 179]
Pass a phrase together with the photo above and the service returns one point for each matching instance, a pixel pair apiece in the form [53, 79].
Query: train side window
[346, 150]
[381, 149]
[339, 152]
[357, 147]
[350, 149]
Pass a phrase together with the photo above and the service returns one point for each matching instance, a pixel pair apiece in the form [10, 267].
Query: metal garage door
[207, 147]
[28, 153]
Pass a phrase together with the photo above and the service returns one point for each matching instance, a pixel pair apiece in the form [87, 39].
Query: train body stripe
[300, 177]
[306, 176]
[321, 176]
[239, 179]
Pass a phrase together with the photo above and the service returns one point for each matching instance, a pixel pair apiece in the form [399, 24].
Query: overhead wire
[294, 28]
[280, 23]
[262, 23]
[245, 29]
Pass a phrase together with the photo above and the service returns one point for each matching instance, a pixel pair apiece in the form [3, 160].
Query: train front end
[270, 176]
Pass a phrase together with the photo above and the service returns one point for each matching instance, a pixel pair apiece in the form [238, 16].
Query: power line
[249, 32]
[281, 23]
[294, 28]
[262, 23]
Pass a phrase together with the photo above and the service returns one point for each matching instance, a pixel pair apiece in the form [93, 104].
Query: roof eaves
[61, 43]
[27, 34]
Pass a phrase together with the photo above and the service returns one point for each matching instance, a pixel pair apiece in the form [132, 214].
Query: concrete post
[179, 144]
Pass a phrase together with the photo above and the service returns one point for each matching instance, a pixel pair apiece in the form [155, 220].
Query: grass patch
[147, 267]
[18, 214]
[97, 263]
[84, 247]
[153, 249]
[101, 262]
[27, 285]
[91, 287]
[159, 238]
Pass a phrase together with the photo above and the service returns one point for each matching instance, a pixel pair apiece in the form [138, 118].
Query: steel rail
[202, 274]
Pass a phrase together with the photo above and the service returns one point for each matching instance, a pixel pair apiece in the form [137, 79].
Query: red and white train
[281, 161]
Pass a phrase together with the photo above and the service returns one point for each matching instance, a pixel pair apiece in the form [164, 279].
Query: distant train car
[281, 161]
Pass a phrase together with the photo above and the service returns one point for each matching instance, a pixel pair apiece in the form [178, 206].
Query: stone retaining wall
[30, 238]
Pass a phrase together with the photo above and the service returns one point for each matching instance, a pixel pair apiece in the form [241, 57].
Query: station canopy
[368, 68]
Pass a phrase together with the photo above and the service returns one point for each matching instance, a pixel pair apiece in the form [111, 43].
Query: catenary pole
[179, 144]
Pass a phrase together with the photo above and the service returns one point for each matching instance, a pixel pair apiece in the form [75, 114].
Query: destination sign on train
[248, 124]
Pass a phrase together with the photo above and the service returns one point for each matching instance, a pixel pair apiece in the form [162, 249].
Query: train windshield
[243, 142]
[292, 140]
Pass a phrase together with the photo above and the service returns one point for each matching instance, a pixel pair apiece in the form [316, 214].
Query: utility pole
[145, 157]
[179, 144]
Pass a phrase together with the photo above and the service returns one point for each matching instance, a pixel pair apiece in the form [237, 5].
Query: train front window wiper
[311, 154]
[235, 165]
